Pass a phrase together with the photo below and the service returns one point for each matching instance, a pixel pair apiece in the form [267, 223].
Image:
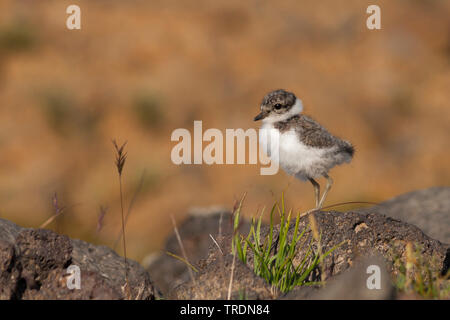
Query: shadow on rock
[195, 232]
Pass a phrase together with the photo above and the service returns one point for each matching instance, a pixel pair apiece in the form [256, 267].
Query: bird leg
[316, 190]
[327, 188]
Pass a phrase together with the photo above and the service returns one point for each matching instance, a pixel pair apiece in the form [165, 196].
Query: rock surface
[427, 209]
[195, 232]
[366, 234]
[213, 279]
[34, 262]
[352, 284]
[359, 234]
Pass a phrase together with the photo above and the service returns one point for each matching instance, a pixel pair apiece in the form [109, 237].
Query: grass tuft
[273, 259]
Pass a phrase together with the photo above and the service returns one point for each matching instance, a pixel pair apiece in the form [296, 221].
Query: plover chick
[303, 147]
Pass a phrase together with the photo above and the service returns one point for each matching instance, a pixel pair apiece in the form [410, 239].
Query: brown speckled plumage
[312, 133]
[285, 98]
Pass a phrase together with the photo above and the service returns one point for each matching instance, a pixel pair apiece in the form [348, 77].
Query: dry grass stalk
[183, 252]
[230, 285]
[141, 290]
[130, 207]
[58, 211]
[314, 227]
[410, 262]
[236, 210]
[101, 218]
[317, 237]
[220, 225]
[337, 204]
[121, 157]
[215, 242]
[182, 260]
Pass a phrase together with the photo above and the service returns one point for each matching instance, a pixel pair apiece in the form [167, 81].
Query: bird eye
[277, 106]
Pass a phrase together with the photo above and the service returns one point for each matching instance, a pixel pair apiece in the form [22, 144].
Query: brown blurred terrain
[137, 70]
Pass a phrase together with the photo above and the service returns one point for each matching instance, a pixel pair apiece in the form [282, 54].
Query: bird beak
[260, 116]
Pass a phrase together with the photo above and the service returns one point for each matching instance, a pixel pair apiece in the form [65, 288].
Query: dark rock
[33, 265]
[9, 231]
[427, 209]
[446, 264]
[357, 235]
[213, 280]
[352, 284]
[366, 234]
[103, 261]
[195, 232]
[300, 293]
[93, 286]
[39, 252]
[9, 276]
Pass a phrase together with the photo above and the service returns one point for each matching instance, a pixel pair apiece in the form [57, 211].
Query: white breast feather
[295, 157]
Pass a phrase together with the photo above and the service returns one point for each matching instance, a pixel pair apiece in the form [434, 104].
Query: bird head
[279, 105]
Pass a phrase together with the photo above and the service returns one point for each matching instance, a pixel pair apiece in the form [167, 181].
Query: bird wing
[312, 134]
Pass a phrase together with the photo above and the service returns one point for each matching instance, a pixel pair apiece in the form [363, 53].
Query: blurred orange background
[137, 70]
